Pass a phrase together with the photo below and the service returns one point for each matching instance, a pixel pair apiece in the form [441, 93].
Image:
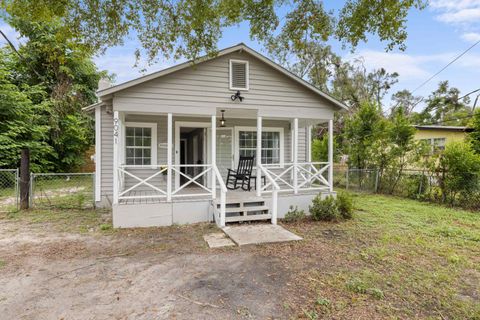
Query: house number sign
[116, 127]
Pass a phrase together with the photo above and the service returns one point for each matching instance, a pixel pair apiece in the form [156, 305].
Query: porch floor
[191, 194]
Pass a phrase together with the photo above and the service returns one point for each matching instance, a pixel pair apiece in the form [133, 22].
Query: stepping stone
[218, 240]
[259, 233]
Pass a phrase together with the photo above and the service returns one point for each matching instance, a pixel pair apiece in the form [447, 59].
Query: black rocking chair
[243, 174]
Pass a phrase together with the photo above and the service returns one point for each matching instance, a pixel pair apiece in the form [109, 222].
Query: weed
[294, 215]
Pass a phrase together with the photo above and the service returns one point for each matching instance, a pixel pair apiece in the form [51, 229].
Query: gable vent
[238, 75]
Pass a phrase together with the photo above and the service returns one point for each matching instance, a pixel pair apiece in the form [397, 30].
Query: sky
[436, 35]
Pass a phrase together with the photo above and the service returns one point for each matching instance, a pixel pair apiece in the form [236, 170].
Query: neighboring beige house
[165, 141]
[438, 136]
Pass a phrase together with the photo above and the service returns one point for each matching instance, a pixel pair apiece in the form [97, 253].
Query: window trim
[153, 142]
[281, 130]
[247, 76]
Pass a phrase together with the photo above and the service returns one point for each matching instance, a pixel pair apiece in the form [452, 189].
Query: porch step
[248, 218]
[241, 208]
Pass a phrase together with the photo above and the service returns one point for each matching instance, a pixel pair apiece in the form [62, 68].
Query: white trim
[330, 154]
[247, 74]
[98, 154]
[240, 46]
[187, 124]
[264, 129]
[153, 141]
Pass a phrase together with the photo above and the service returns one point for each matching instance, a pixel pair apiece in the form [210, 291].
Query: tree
[362, 130]
[405, 101]
[444, 107]
[188, 28]
[19, 120]
[62, 70]
[474, 136]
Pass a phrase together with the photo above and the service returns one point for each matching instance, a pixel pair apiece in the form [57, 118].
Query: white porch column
[309, 143]
[169, 156]
[259, 157]
[214, 155]
[117, 145]
[295, 155]
[330, 154]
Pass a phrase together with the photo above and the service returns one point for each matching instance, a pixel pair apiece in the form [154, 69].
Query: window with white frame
[239, 75]
[140, 144]
[436, 144]
[272, 144]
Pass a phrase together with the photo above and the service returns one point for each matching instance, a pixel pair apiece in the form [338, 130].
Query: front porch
[170, 178]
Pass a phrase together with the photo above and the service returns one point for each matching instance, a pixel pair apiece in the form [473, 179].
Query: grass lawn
[396, 259]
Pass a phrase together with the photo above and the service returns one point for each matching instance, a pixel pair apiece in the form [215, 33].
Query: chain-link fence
[459, 189]
[62, 190]
[9, 195]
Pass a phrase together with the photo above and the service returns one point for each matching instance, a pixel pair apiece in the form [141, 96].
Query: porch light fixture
[236, 96]
[222, 120]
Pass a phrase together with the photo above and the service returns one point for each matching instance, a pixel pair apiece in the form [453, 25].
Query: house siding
[207, 85]
[106, 171]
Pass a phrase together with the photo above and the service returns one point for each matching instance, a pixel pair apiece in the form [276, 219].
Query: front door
[224, 150]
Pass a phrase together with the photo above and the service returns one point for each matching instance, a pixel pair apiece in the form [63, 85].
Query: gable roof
[240, 46]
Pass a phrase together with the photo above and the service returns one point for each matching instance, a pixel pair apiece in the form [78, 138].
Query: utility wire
[447, 65]
[18, 53]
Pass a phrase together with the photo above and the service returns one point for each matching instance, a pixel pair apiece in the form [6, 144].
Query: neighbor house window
[438, 144]
[239, 75]
[272, 145]
[140, 144]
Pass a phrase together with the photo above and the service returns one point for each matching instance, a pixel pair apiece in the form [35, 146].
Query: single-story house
[165, 142]
[438, 136]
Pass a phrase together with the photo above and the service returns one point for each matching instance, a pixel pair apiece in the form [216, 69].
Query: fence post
[24, 179]
[94, 189]
[17, 191]
[376, 180]
[347, 176]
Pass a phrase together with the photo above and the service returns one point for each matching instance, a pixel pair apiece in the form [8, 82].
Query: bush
[294, 214]
[345, 205]
[329, 209]
[325, 210]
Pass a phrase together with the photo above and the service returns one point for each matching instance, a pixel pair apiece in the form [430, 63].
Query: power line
[446, 66]
[19, 54]
[466, 95]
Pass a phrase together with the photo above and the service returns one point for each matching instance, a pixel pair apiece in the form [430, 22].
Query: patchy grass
[397, 258]
[73, 220]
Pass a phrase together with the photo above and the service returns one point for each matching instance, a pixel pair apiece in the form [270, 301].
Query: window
[239, 75]
[140, 144]
[272, 144]
[438, 144]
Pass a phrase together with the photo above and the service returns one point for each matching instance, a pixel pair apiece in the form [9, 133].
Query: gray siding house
[165, 142]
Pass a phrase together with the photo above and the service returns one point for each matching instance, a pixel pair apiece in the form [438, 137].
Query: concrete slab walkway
[259, 233]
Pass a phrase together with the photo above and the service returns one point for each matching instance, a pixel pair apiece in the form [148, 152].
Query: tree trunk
[24, 179]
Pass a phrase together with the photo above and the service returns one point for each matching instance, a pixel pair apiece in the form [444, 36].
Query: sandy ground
[154, 274]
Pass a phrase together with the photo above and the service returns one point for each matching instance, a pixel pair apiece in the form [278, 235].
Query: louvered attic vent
[238, 75]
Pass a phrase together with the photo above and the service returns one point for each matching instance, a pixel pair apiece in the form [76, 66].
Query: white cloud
[464, 14]
[471, 36]
[414, 68]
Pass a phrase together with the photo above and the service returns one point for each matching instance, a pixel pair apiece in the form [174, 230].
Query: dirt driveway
[138, 274]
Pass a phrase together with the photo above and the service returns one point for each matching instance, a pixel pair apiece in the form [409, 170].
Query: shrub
[324, 209]
[331, 208]
[345, 205]
[294, 214]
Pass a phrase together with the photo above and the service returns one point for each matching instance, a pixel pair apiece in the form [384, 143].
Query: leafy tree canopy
[53, 77]
[188, 28]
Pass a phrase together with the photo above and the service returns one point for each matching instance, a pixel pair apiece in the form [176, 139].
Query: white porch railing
[145, 180]
[309, 176]
[220, 219]
[275, 188]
